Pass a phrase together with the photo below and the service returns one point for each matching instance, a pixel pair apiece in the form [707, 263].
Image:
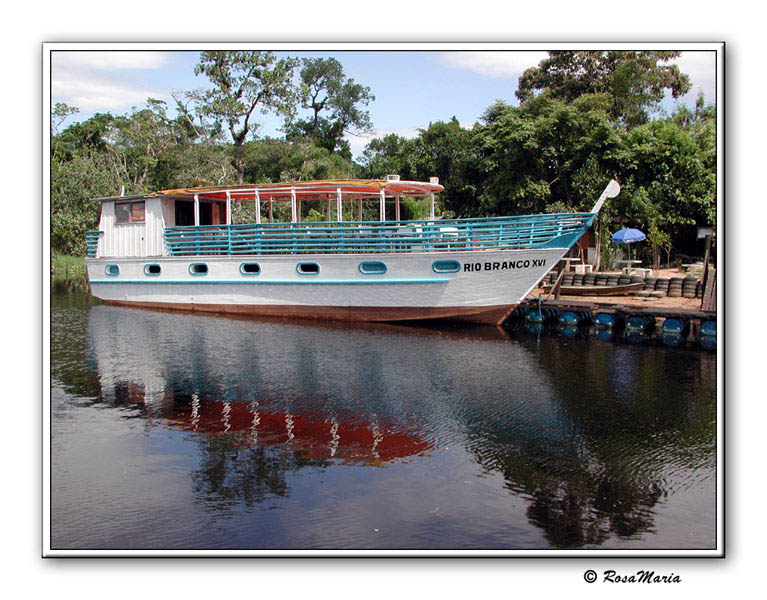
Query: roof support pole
[328, 216]
[293, 208]
[339, 208]
[382, 205]
[258, 208]
[431, 206]
[396, 207]
[228, 208]
[271, 214]
[196, 210]
[360, 209]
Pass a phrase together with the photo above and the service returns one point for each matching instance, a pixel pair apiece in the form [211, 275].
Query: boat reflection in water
[312, 436]
[477, 440]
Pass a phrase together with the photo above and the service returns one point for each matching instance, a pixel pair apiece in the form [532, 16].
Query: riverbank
[66, 267]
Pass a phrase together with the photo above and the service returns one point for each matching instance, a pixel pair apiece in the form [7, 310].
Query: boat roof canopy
[318, 189]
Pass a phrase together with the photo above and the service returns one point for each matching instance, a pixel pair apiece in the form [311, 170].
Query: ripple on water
[174, 430]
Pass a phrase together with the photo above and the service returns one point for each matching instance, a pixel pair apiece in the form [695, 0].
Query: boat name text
[501, 266]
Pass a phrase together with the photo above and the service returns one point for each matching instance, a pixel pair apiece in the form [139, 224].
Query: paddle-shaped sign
[613, 189]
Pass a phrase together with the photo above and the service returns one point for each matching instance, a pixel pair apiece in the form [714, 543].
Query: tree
[668, 175]
[325, 90]
[544, 155]
[243, 81]
[441, 150]
[137, 141]
[59, 114]
[74, 183]
[635, 80]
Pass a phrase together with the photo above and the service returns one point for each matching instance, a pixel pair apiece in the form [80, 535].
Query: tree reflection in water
[587, 433]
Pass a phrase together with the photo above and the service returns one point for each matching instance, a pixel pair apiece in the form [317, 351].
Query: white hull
[487, 287]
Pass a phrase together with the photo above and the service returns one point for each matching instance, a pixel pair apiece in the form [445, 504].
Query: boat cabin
[140, 225]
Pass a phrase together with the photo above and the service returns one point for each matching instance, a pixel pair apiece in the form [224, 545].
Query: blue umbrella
[628, 236]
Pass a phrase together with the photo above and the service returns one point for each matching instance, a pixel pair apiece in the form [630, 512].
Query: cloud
[104, 81]
[109, 60]
[504, 65]
[92, 94]
[701, 67]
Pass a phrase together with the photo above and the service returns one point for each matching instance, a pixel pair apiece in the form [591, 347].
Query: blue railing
[536, 231]
[92, 242]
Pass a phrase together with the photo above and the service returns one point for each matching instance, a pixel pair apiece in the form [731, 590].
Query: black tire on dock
[661, 285]
[689, 282]
[589, 278]
[613, 280]
[637, 279]
[601, 279]
[624, 279]
[649, 283]
[578, 279]
[689, 287]
[699, 290]
[567, 279]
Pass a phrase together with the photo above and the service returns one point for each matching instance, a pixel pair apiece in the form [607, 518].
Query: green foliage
[242, 81]
[325, 90]
[634, 81]
[74, 183]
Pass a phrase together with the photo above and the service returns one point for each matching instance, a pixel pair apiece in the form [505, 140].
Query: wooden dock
[627, 309]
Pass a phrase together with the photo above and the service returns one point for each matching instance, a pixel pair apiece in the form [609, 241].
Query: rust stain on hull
[484, 315]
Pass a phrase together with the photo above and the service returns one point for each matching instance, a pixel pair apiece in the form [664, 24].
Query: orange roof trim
[318, 189]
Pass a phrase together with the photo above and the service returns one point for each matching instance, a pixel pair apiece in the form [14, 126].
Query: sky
[411, 88]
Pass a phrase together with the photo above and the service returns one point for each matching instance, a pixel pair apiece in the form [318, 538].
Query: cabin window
[308, 268]
[250, 268]
[198, 269]
[152, 269]
[446, 266]
[112, 270]
[129, 212]
[373, 267]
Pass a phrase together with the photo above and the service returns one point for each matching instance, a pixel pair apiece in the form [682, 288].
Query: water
[174, 430]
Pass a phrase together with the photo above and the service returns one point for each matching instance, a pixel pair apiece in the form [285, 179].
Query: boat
[180, 249]
[601, 290]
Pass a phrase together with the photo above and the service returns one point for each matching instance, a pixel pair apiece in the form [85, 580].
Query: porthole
[198, 269]
[112, 270]
[250, 268]
[446, 266]
[308, 268]
[152, 270]
[372, 267]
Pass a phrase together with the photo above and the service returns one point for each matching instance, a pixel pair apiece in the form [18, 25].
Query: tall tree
[635, 80]
[668, 175]
[336, 104]
[243, 81]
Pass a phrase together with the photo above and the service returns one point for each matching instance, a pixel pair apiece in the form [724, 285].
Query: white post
[328, 217]
[293, 211]
[228, 208]
[339, 208]
[258, 208]
[196, 210]
[382, 205]
[431, 207]
[396, 207]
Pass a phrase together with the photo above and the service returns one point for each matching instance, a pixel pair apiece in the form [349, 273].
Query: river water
[183, 431]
